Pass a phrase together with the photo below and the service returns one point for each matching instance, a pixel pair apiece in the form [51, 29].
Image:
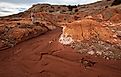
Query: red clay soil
[44, 56]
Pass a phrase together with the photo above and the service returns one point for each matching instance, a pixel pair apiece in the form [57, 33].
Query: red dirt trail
[44, 56]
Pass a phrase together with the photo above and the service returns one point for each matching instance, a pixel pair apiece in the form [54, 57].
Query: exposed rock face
[11, 36]
[65, 38]
[85, 30]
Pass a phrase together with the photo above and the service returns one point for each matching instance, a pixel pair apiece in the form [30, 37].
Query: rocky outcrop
[85, 30]
[10, 36]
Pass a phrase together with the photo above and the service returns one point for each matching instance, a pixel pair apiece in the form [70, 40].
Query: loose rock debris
[87, 63]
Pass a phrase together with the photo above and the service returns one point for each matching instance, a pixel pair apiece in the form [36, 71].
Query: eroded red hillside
[30, 49]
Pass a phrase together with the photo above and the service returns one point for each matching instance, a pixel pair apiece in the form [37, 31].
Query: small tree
[116, 2]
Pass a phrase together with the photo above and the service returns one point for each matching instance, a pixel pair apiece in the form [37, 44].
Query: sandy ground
[44, 56]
